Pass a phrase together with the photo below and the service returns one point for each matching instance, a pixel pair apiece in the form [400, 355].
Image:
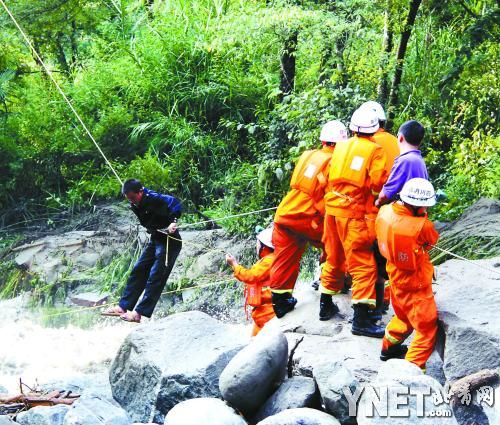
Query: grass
[472, 248]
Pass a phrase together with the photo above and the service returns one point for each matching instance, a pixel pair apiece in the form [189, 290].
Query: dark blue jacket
[157, 211]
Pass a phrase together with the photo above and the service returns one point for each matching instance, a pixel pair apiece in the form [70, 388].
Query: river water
[40, 347]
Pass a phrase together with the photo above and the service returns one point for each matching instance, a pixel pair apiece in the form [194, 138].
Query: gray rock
[332, 379]
[493, 412]
[294, 393]
[253, 374]
[304, 318]
[6, 420]
[89, 299]
[202, 411]
[467, 298]
[43, 415]
[90, 383]
[303, 416]
[469, 406]
[95, 410]
[360, 354]
[480, 219]
[402, 394]
[88, 259]
[394, 368]
[172, 360]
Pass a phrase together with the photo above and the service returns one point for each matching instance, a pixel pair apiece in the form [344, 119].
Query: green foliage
[185, 96]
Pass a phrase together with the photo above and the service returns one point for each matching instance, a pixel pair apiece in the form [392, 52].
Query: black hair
[413, 132]
[359, 133]
[132, 185]
[382, 123]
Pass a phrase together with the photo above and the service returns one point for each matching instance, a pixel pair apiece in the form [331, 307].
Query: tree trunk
[61, 56]
[383, 88]
[287, 78]
[74, 44]
[403, 44]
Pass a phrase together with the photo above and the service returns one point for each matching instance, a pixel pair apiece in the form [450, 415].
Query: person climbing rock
[357, 168]
[256, 280]
[158, 213]
[299, 221]
[389, 144]
[405, 235]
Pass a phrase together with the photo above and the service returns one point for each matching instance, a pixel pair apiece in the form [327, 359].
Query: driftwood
[473, 382]
[11, 405]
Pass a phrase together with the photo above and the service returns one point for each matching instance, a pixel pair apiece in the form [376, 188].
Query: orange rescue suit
[389, 144]
[403, 239]
[257, 294]
[299, 217]
[357, 169]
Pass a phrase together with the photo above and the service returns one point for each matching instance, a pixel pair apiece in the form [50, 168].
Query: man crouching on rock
[158, 213]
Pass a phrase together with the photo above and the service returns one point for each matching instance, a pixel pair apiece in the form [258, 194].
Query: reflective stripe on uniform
[365, 301]
[282, 291]
[326, 291]
[391, 339]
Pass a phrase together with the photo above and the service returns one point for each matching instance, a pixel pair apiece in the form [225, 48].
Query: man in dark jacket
[155, 212]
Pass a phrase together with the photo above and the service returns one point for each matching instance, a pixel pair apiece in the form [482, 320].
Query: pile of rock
[191, 369]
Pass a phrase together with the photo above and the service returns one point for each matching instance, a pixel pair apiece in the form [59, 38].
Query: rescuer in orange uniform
[256, 280]
[391, 148]
[357, 169]
[405, 234]
[299, 219]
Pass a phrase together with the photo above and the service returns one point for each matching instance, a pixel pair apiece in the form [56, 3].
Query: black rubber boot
[283, 303]
[363, 325]
[327, 308]
[374, 314]
[397, 351]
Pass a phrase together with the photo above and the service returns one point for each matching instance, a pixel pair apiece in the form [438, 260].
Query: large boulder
[43, 415]
[172, 360]
[479, 220]
[303, 416]
[254, 373]
[467, 298]
[304, 318]
[360, 354]
[95, 410]
[401, 394]
[333, 379]
[202, 411]
[294, 393]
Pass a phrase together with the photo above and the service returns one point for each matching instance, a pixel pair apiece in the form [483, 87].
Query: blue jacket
[157, 211]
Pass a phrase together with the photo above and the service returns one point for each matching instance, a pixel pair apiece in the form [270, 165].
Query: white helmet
[376, 107]
[364, 121]
[266, 237]
[418, 192]
[333, 132]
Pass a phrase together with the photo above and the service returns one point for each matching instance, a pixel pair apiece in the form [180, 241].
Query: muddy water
[39, 347]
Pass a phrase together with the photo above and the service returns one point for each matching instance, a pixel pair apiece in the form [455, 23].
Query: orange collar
[401, 209]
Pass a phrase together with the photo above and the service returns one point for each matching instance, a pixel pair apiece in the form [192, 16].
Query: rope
[175, 291]
[226, 279]
[224, 218]
[28, 42]
[196, 245]
[459, 257]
